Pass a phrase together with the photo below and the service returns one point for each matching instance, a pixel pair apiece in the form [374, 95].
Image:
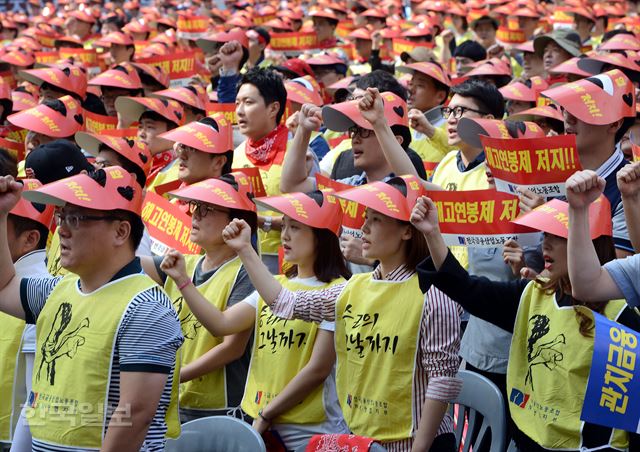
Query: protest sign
[541, 165]
[613, 391]
[168, 226]
[480, 218]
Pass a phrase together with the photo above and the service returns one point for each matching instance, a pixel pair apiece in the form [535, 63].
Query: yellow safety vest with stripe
[208, 392]
[549, 364]
[269, 241]
[281, 349]
[10, 341]
[377, 335]
[449, 177]
[75, 341]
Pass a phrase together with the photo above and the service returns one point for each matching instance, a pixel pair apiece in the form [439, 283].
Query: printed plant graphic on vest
[59, 343]
[549, 353]
[188, 321]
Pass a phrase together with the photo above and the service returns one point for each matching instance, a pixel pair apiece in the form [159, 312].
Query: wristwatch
[266, 225]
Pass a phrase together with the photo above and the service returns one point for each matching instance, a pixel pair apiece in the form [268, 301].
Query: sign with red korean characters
[404, 45]
[294, 41]
[541, 165]
[353, 213]
[168, 226]
[480, 218]
[253, 173]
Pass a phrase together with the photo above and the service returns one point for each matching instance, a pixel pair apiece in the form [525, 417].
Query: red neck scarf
[269, 149]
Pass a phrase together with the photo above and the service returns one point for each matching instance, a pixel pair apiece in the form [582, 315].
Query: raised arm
[589, 280]
[371, 107]
[294, 171]
[629, 186]
[236, 319]
[10, 191]
[313, 306]
[425, 219]
[149, 267]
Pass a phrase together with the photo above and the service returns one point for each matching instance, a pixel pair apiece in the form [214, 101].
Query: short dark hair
[611, 33]
[484, 93]
[8, 164]
[329, 263]
[471, 49]
[137, 226]
[22, 224]
[270, 86]
[228, 164]
[384, 81]
[152, 115]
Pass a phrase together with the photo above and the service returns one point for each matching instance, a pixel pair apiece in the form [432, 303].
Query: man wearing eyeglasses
[106, 334]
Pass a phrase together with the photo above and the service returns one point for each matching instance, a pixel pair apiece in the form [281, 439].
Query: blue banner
[613, 391]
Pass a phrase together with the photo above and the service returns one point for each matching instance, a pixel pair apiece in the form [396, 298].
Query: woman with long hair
[213, 369]
[397, 350]
[553, 333]
[291, 386]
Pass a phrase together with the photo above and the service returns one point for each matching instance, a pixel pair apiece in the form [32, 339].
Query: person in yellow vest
[260, 105]
[290, 387]
[428, 91]
[397, 349]
[27, 232]
[214, 368]
[106, 334]
[552, 345]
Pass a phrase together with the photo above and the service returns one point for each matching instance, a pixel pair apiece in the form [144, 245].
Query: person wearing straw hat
[411, 382]
[107, 335]
[290, 387]
[213, 368]
[28, 227]
[550, 353]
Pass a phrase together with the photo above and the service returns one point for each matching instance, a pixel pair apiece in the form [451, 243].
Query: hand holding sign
[629, 180]
[310, 117]
[424, 216]
[528, 199]
[583, 188]
[371, 107]
[174, 267]
[10, 191]
[237, 235]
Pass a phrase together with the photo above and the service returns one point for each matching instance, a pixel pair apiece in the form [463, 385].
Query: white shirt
[31, 265]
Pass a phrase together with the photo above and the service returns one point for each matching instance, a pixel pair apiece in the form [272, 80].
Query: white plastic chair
[217, 434]
[479, 396]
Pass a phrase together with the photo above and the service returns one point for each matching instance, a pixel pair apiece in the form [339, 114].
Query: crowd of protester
[225, 209]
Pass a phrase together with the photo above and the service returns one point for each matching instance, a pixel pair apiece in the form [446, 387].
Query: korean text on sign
[613, 391]
[480, 218]
[541, 165]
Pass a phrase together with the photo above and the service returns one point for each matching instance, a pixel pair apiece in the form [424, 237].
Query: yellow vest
[431, 150]
[281, 349]
[75, 342]
[269, 241]
[168, 174]
[208, 392]
[549, 365]
[377, 333]
[449, 177]
[53, 256]
[10, 340]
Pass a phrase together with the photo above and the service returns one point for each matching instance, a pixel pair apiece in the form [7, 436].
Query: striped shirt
[438, 361]
[147, 341]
